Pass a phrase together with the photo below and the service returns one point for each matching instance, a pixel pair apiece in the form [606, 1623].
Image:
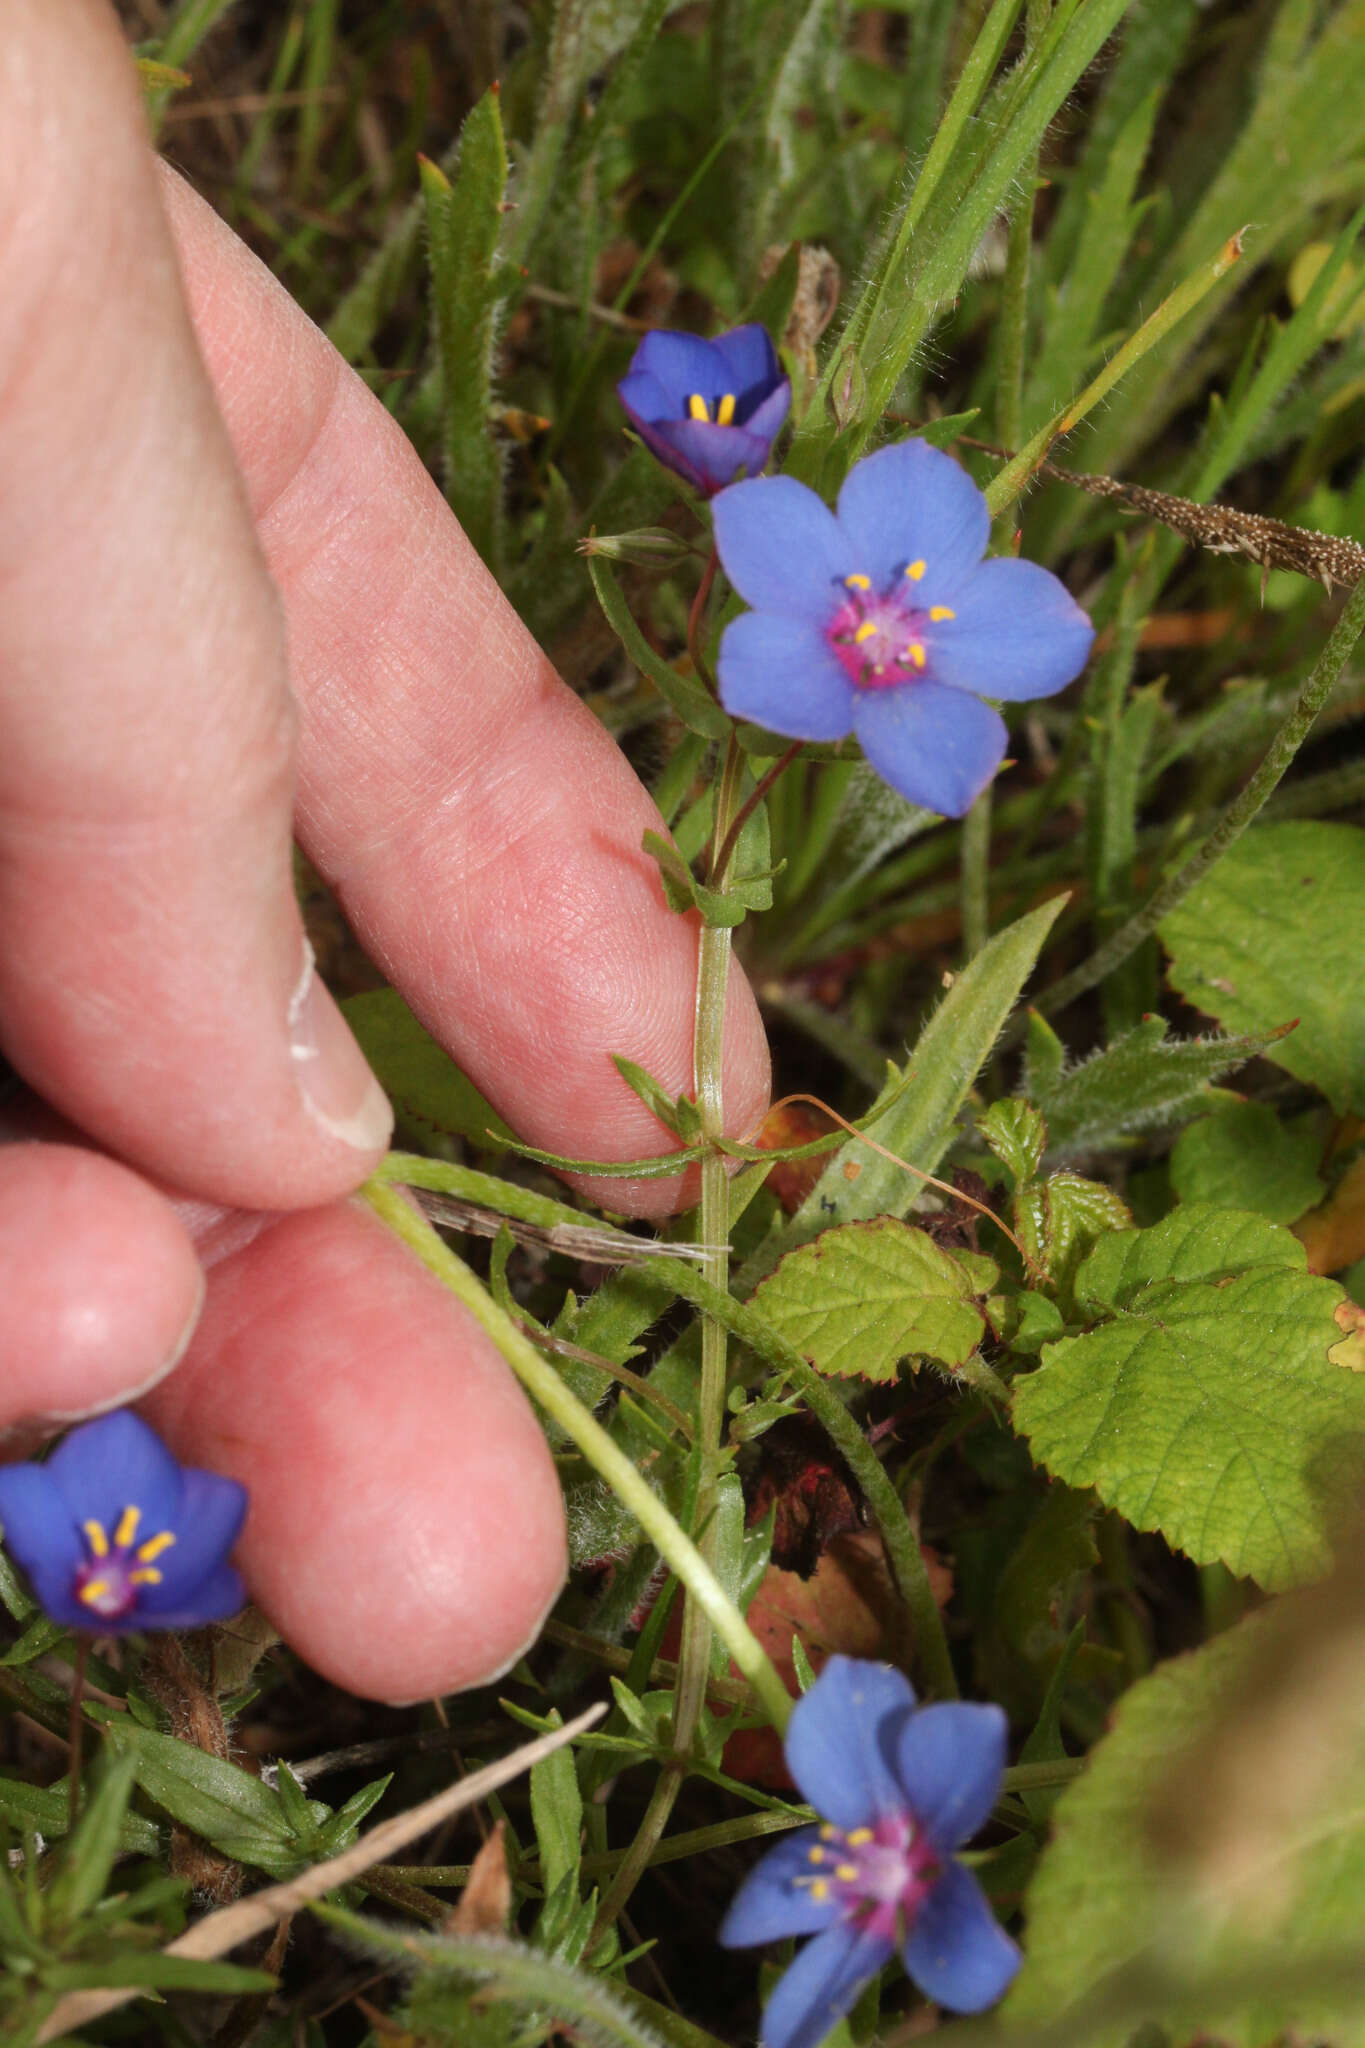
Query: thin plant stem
[976, 875]
[751, 804]
[1322, 680]
[76, 1731]
[607, 1458]
[695, 621]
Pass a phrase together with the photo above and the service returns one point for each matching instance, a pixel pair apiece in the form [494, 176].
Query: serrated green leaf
[1083, 1926]
[419, 1077]
[1193, 1243]
[1060, 1219]
[1207, 1409]
[1144, 1081]
[861, 1298]
[1016, 1134]
[1273, 935]
[1245, 1155]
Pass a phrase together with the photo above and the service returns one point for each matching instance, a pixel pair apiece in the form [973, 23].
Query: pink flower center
[884, 637]
[110, 1580]
[880, 1875]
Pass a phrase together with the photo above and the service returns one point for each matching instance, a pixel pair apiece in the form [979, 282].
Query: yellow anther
[815, 1855]
[858, 582]
[828, 1833]
[819, 1890]
[154, 1546]
[147, 1576]
[846, 1872]
[915, 570]
[725, 409]
[96, 1538]
[126, 1533]
[917, 654]
[696, 407]
[866, 630]
[93, 1591]
[858, 1837]
[939, 612]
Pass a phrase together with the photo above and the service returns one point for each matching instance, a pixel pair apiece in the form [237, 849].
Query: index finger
[481, 828]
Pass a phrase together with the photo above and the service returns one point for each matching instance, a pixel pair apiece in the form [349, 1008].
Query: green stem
[713, 968]
[545, 1386]
[1322, 680]
[976, 875]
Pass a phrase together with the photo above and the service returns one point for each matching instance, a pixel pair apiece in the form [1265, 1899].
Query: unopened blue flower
[883, 620]
[115, 1534]
[901, 1787]
[708, 409]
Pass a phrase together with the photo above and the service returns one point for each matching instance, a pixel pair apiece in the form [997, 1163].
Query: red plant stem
[747, 809]
[694, 621]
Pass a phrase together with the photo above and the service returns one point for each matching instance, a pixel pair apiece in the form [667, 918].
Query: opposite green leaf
[1273, 934]
[418, 1075]
[861, 1298]
[1207, 1408]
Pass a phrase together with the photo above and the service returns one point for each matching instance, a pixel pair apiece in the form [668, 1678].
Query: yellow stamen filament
[126, 1533]
[147, 1576]
[696, 407]
[154, 1546]
[915, 570]
[858, 582]
[939, 612]
[917, 654]
[96, 1538]
[865, 631]
[859, 1837]
[725, 409]
[846, 1872]
[93, 1591]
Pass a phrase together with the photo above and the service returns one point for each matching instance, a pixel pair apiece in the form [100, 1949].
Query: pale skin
[234, 607]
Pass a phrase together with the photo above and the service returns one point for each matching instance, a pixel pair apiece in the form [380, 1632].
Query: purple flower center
[884, 637]
[879, 1875]
[115, 1569]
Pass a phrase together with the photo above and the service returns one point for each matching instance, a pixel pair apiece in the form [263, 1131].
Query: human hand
[234, 604]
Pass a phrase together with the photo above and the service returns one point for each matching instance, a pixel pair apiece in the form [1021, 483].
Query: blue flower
[116, 1535]
[883, 620]
[708, 409]
[901, 1787]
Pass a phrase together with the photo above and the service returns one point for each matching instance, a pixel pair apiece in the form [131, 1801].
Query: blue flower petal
[780, 673]
[767, 417]
[645, 398]
[957, 1952]
[1018, 633]
[914, 503]
[115, 1462]
[769, 1905]
[821, 1986]
[213, 1599]
[949, 1759]
[39, 1528]
[747, 357]
[710, 455]
[682, 363]
[839, 1747]
[54, 1589]
[937, 746]
[212, 1510]
[782, 548]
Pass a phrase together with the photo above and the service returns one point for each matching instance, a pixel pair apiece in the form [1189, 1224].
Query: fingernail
[338, 1090]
